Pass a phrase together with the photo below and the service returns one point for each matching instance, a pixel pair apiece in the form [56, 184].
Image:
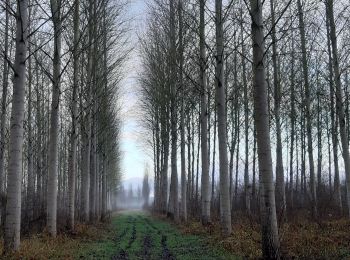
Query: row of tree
[60, 119]
[129, 199]
[262, 82]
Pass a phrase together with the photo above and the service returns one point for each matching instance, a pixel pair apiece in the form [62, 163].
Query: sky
[133, 150]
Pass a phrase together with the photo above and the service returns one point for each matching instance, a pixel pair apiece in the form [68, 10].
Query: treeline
[251, 100]
[60, 118]
[129, 199]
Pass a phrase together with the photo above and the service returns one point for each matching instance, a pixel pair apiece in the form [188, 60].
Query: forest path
[137, 235]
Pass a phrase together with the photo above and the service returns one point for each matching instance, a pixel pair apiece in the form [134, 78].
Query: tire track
[133, 236]
[123, 254]
[147, 247]
[166, 254]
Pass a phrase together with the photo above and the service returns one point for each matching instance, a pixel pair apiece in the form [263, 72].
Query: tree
[173, 196]
[53, 144]
[307, 103]
[145, 190]
[3, 110]
[73, 135]
[183, 211]
[270, 239]
[225, 205]
[339, 99]
[280, 186]
[14, 182]
[205, 184]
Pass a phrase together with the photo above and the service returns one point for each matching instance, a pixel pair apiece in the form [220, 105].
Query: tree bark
[307, 111]
[270, 239]
[53, 144]
[280, 187]
[14, 181]
[225, 205]
[205, 184]
[5, 76]
[292, 133]
[339, 100]
[173, 199]
[73, 135]
[182, 119]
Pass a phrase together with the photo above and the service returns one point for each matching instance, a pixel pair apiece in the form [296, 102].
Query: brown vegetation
[301, 238]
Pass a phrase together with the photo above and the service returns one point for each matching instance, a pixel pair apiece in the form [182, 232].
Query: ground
[129, 235]
[138, 235]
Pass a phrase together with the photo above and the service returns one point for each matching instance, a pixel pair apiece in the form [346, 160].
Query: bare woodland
[244, 107]
[261, 110]
[60, 121]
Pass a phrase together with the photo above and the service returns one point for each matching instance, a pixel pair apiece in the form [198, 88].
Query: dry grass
[64, 246]
[299, 239]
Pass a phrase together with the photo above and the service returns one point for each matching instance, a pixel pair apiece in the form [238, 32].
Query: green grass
[120, 238]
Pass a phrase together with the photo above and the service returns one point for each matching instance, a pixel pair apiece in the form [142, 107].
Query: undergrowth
[303, 239]
[64, 246]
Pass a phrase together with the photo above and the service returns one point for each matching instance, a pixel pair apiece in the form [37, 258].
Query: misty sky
[134, 154]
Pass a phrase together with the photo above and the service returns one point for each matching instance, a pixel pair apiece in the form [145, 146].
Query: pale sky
[134, 157]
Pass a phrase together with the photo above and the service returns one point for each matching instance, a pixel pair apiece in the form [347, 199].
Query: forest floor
[301, 238]
[129, 235]
[138, 235]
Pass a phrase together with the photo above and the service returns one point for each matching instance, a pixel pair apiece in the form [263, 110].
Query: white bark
[205, 184]
[280, 187]
[13, 203]
[270, 240]
[339, 100]
[73, 135]
[225, 205]
[31, 180]
[334, 125]
[53, 143]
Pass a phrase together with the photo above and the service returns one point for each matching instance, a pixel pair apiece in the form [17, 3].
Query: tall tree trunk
[197, 168]
[280, 187]
[225, 205]
[213, 162]
[30, 175]
[189, 176]
[270, 239]
[292, 133]
[164, 174]
[339, 100]
[307, 111]
[93, 169]
[53, 145]
[85, 129]
[14, 181]
[319, 143]
[334, 125]
[247, 189]
[173, 199]
[73, 134]
[254, 197]
[205, 184]
[182, 119]
[5, 76]
[237, 158]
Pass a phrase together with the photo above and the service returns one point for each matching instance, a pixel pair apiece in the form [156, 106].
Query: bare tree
[14, 182]
[270, 239]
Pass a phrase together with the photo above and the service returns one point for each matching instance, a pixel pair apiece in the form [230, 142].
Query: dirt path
[136, 235]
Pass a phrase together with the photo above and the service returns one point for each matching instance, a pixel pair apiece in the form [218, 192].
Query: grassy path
[139, 236]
